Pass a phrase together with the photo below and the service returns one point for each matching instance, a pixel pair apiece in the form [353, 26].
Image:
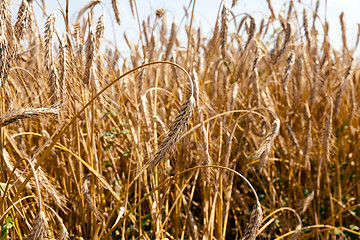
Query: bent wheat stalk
[40, 225]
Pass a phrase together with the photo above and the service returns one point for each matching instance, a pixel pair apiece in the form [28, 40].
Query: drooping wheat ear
[174, 134]
[64, 63]
[88, 199]
[343, 32]
[22, 20]
[224, 30]
[264, 150]
[40, 227]
[306, 29]
[49, 31]
[251, 33]
[23, 113]
[290, 62]
[306, 202]
[115, 8]
[340, 90]
[90, 47]
[40, 224]
[254, 223]
[171, 40]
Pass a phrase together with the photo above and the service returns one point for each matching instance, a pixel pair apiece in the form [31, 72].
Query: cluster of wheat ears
[241, 135]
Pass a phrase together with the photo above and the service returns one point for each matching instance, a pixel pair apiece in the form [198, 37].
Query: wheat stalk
[64, 62]
[40, 224]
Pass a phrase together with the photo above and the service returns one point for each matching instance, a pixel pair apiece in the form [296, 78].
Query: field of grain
[251, 133]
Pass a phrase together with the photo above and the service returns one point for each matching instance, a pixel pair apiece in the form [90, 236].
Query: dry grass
[195, 130]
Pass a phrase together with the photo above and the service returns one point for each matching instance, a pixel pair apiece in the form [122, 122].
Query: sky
[205, 16]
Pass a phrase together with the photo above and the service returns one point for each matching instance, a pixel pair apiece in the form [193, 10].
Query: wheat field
[251, 132]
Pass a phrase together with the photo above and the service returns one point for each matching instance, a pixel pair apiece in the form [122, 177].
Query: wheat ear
[251, 33]
[224, 30]
[115, 8]
[22, 20]
[341, 89]
[264, 150]
[177, 128]
[49, 31]
[171, 40]
[24, 113]
[306, 29]
[254, 223]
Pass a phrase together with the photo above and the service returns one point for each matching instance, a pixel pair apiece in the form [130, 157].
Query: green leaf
[125, 131]
[6, 226]
[354, 227]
